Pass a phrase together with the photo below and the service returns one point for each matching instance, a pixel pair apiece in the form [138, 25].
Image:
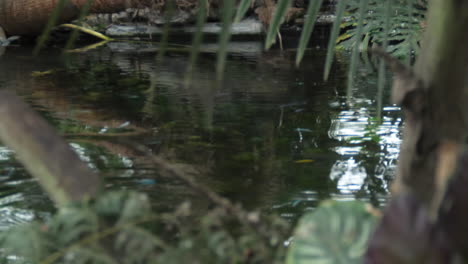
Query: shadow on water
[270, 136]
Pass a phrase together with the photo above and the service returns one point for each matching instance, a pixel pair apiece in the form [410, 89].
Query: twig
[241, 215]
[87, 31]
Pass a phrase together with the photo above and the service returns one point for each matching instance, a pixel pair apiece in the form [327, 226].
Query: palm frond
[381, 80]
[74, 35]
[242, 9]
[278, 18]
[355, 53]
[333, 37]
[197, 36]
[170, 7]
[310, 17]
[50, 25]
[225, 36]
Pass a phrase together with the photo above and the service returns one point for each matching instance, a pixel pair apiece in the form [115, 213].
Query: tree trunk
[433, 98]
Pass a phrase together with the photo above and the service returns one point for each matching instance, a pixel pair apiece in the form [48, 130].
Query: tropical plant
[117, 225]
[406, 19]
[393, 24]
[336, 232]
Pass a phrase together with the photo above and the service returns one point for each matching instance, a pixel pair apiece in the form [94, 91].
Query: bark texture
[434, 98]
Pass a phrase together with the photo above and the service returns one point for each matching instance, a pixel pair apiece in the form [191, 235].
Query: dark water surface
[270, 136]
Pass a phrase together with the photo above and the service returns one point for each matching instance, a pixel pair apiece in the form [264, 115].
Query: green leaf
[224, 37]
[387, 22]
[50, 25]
[242, 9]
[280, 12]
[168, 13]
[335, 233]
[197, 37]
[74, 35]
[410, 14]
[398, 24]
[333, 36]
[381, 80]
[311, 16]
[355, 54]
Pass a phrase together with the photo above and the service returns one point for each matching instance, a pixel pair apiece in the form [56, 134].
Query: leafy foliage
[337, 232]
[119, 227]
[311, 15]
[406, 25]
[333, 36]
[225, 36]
[278, 18]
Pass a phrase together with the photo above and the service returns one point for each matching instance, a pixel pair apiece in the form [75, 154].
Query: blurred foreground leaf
[336, 232]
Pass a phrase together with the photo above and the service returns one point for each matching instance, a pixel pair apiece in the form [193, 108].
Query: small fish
[146, 181]
[124, 124]
[42, 73]
[304, 161]
[103, 130]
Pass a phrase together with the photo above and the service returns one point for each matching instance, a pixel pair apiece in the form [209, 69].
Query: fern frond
[405, 26]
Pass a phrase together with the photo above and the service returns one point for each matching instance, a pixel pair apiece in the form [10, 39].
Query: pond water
[269, 135]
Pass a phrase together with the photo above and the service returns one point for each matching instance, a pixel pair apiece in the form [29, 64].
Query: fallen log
[242, 28]
[29, 17]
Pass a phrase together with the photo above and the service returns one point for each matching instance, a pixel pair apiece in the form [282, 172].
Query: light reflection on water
[5, 153]
[356, 126]
[270, 136]
[11, 215]
[349, 174]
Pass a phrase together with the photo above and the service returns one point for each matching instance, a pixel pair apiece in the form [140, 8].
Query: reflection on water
[270, 135]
